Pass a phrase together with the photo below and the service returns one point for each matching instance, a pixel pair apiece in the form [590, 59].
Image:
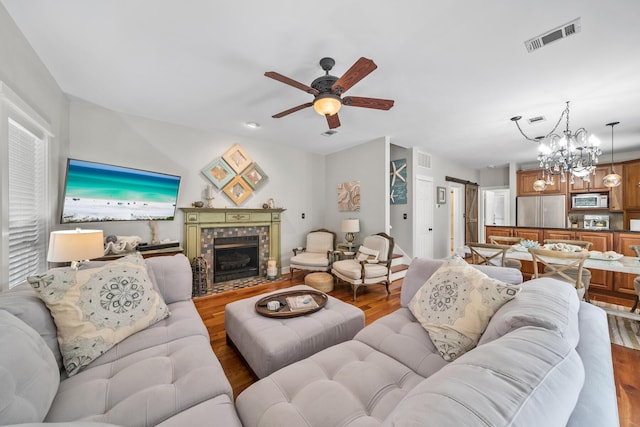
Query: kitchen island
[613, 283]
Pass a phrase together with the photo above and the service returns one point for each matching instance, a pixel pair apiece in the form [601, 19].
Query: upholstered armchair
[370, 266]
[317, 254]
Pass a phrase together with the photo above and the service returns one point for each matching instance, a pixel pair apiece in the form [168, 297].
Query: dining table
[625, 264]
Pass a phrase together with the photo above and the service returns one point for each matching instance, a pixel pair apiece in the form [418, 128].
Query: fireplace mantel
[197, 219]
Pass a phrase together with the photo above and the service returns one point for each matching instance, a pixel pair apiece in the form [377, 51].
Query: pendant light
[612, 179]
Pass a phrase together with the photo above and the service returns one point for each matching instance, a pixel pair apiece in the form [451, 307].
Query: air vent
[561, 32]
[536, 119]
[424, 160]
[329, 133]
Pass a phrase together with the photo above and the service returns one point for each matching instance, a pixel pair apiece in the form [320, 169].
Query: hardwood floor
[376, 303]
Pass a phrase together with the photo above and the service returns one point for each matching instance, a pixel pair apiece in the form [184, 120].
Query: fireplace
[235, 257]
[203, 227]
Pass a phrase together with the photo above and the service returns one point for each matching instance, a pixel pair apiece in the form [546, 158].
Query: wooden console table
[197, 219]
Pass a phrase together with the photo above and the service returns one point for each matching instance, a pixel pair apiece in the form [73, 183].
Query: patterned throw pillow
[456, 304]
[366, 254]
[96, 308]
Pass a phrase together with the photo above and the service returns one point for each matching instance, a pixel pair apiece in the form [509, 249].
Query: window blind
[27, 203]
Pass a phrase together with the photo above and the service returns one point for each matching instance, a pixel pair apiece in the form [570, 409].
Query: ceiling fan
[327, 91]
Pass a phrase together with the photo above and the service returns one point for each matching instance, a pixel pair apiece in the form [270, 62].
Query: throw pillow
[367, 254]
[456, 304]
[96, 308]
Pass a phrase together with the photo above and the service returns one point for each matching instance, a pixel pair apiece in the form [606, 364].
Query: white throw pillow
[367, 254]
[96, 308]
[456, 304]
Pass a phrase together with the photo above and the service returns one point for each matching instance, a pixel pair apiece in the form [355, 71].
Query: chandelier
[568, 155]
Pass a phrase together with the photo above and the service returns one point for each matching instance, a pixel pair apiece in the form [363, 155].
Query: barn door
[471, 212]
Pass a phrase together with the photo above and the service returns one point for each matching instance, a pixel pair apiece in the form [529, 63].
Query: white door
[423, 226]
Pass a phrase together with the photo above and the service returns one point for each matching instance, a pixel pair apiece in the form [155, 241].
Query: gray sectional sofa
[166, 374]
[543, 360]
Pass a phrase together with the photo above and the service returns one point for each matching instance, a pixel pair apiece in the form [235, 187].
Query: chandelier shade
[572, 154]
[612, 179]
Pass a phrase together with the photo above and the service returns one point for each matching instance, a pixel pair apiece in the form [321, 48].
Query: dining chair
[636, 281]
[586, 274]
[491, 254]
[508, 240]
[565, 266]
[317, 254]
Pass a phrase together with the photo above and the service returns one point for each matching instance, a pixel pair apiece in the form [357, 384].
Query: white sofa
[543, 360]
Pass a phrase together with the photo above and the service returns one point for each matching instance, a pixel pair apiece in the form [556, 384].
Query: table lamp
[75, 245]
[350, 227]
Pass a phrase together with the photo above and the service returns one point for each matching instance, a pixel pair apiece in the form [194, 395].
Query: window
[24, 207]
[27, 203]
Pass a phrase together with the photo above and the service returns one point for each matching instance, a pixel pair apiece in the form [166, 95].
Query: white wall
[295, 177]
[24, 74]
[23, 71]
[369, 164]
[441, 168]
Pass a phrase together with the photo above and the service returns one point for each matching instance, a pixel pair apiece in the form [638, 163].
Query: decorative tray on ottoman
[292, 303]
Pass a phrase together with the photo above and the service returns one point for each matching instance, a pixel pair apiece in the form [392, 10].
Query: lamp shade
[75, 245]
[350, 225]
[327, 104]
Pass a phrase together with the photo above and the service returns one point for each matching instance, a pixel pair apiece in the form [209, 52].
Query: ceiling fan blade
[292, 110]
[334, 121]
[357, 72]
[379, 104]
[286, 80]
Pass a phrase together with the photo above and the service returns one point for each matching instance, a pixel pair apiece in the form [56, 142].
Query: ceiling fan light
[612, 180]
[327, 104]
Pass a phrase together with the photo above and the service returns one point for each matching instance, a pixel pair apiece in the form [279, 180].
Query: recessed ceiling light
[252, 125]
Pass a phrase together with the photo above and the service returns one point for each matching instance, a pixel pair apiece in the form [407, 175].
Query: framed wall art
[441, 195]
[349, 196]
[218, 172]
[255, 176]
[237, 158]
[237, 190]
[398, 176]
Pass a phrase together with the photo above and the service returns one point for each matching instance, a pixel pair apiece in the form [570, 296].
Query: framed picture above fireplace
[237, 190]
[255, 176]
[218, 172]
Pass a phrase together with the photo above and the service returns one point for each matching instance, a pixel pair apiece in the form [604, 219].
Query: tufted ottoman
[268, 344]
[320, 281]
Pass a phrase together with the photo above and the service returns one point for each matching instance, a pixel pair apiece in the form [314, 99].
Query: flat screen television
[96, 192]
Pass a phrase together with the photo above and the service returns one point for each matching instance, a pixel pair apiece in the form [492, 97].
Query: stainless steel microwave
[589, 201]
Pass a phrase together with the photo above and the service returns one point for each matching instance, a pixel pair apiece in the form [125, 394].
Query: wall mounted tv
[96, 192]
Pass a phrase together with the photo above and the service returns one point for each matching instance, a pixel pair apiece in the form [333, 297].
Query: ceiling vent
[561, 32]
[329, 132]
[536, 119]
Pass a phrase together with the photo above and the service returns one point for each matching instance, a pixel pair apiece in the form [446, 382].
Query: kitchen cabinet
[623, 282]
[525, 180]
[497, 231]
[631, 185]
[594, 185]
[600, 241]
[558, 235]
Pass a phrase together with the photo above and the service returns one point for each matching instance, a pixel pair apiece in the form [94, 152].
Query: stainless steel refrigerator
[541, 211]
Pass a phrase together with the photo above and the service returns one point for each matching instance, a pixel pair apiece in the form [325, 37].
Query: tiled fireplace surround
[203, 225]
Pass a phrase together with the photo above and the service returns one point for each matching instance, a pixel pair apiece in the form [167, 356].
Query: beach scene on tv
[97, 192]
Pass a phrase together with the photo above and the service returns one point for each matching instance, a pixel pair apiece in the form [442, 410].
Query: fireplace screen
[235, 257]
